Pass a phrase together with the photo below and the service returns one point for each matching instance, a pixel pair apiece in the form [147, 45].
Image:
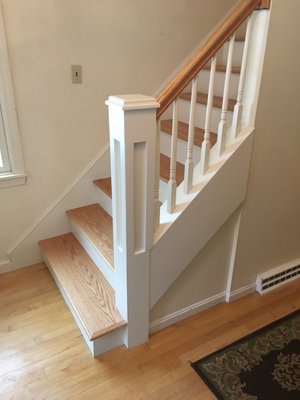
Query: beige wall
[270, 226]
[124, 47]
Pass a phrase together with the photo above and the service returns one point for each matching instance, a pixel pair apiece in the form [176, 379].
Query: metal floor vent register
[277, 277]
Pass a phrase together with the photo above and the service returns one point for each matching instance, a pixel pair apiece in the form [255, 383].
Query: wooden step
[202, 99]
[222, 68]
[165, 169]
[96, 225]
[183, 131]
[88, 292]
[105, 185]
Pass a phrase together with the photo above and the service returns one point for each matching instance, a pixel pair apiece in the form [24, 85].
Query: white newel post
[132, 124]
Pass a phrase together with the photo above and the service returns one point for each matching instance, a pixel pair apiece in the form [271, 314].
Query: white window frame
[4, 158]
[13, 171]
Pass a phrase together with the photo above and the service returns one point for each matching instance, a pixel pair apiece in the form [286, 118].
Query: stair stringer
[201, 218]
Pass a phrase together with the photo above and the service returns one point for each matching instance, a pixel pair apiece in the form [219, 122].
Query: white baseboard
[200, 306]
[5, 266]
[186, 312]
[241, 292]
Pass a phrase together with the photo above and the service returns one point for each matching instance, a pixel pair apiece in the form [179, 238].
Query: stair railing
[198, 61]
[206, 55]
[135, 122]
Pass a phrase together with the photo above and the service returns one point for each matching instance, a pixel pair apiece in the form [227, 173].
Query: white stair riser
[184, 110]
[108, 342]
[163, 190]
[219, 83]
[104, 200]
[93, 252]
[165, 148]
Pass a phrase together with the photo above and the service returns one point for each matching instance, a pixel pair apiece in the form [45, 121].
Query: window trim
[4, 158]
[16, 174]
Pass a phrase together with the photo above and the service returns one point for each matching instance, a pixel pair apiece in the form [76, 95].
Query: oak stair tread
[183, 132]
[222, 68]
[96, 225]
[164, 173]
[89, 293]
[202, 99]
[165, 169]
[105, 185]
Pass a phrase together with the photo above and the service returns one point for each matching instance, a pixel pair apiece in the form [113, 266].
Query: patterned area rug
[262, 366]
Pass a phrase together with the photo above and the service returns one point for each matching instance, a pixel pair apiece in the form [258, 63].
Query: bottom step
[86, 291]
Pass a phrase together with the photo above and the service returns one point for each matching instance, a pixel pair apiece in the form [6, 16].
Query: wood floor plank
[88, 291]
[57, 365]
[97, 226]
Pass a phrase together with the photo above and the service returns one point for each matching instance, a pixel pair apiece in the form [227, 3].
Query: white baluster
[222, 128]
[238, 108]
[189, 165]
[157, 202]
[172, 184]
[205, 148]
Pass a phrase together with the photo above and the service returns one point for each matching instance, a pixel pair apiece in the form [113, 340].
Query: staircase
[165, 188]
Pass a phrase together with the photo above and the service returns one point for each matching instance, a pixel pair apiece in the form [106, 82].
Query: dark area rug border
[207, 382]
[236, 342]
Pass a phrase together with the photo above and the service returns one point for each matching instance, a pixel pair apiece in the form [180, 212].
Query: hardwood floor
[43, 356]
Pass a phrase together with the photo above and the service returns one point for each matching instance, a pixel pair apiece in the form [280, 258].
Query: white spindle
[157, 202]
[238, 108]
[205, 148]
[189, 165]
[172, 185]
[222, 128]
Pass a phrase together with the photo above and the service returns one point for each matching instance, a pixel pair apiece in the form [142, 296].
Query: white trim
[11, 179]
[4, 159]
[9, 114]
[200, 306]
[5, 266]
[39, 219]
[133, 102]
[241, 292]
[233, 251]
[186, 312]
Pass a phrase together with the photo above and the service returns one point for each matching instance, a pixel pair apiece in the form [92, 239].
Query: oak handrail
[239, 14]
